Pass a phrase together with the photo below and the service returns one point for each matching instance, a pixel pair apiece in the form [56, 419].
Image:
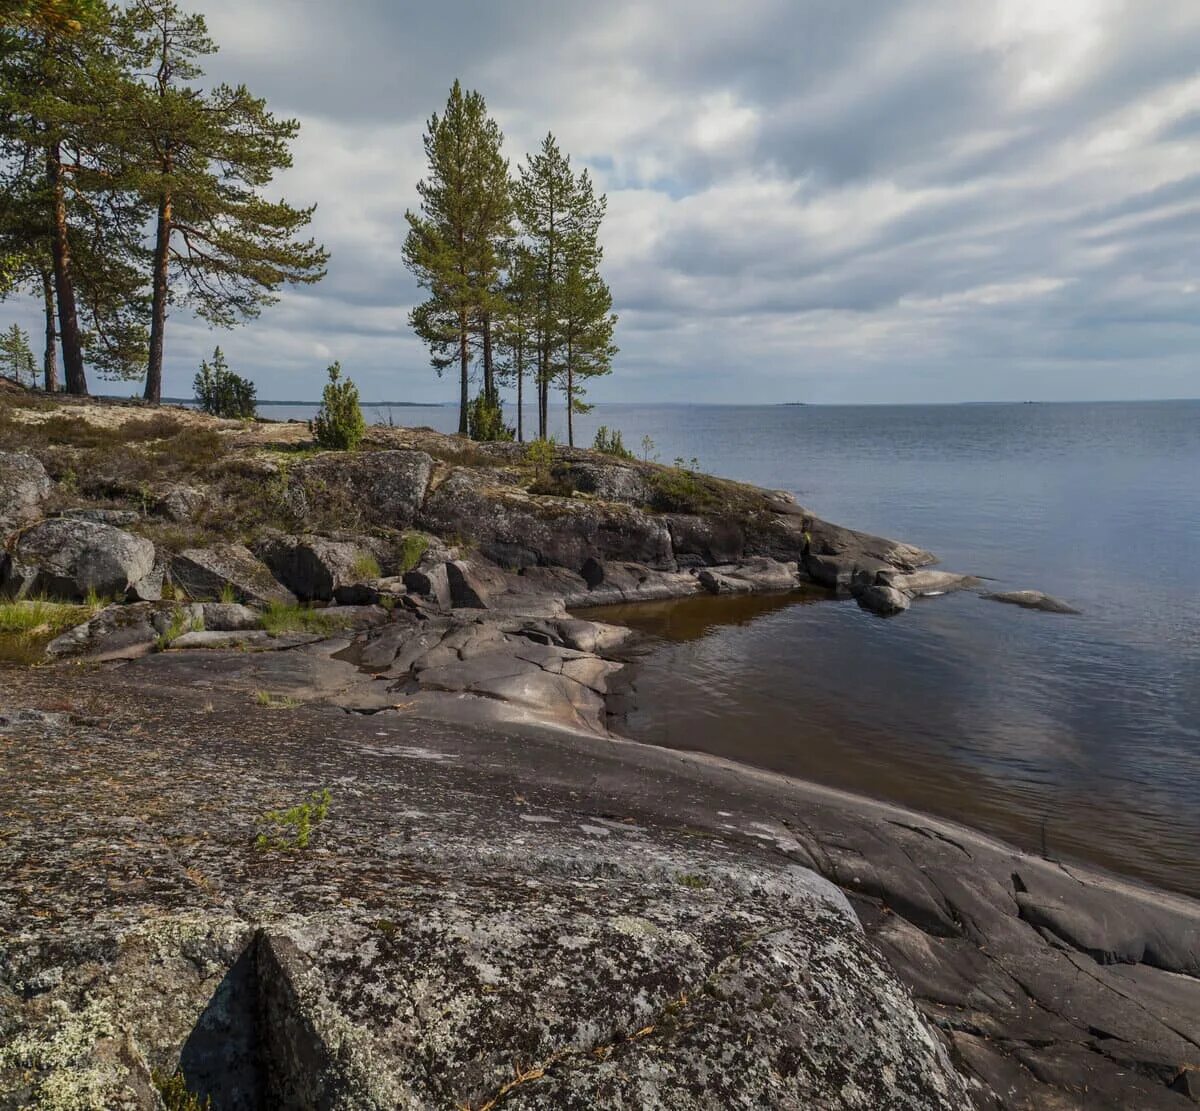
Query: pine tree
[202, 161]
[515, 327]
[455, 244]
[65, 209]
[573, 322]
[16, 357]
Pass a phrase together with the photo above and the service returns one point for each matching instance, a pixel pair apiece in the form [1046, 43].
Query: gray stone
[558, 531]
[1032, 600]
[121, 631]
[24, 487]
[432, 583]
[178, 502]
[618, 482]
[387, 487]
[229, 617]
[118, 518]
[881, 599]
[925, 582]
[474, 584]
[64, 558]
[315, 568]
[206, 573]
[712, 540]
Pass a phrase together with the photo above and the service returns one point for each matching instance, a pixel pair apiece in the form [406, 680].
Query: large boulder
[387, 487]
[706, 540]
[557, 531]
[24, 486]
[314, 568]
[617, 482]
[68, 558]
[208, 573]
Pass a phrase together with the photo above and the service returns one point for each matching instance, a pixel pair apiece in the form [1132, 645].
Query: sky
[808, 200]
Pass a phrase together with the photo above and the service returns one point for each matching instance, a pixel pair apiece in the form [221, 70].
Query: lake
[1079, 736]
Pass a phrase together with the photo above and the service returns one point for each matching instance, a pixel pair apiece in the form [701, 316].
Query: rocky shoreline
[316, 800]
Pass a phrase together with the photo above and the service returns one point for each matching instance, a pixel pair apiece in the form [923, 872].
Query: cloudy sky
[817, 200]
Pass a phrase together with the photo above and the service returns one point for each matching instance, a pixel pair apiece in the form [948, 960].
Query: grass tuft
[27, 627]
[280, 618]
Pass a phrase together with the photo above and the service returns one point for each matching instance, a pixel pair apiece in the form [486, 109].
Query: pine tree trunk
[489, 378]
[68, 317]
[50, 358]
[520, 366]
[463, 359]
[158, 311]
[570, 402]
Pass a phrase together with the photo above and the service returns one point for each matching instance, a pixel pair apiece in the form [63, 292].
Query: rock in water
[1032, 600]
[881, 599]
[24, 486]
[69, 558]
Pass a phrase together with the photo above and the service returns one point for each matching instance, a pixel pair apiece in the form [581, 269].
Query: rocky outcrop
[754, 576]
[70, 558]
[179, 502]
[24, 487]
[387, 488]
[516, 529]
[1033, 600]
[208, 573]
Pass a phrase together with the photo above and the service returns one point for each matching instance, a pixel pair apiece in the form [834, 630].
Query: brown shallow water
[926, 710]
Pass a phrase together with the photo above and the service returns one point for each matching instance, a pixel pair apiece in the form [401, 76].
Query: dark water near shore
[1082, 733]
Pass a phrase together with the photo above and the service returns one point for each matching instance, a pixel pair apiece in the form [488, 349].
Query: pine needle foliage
[339, 425]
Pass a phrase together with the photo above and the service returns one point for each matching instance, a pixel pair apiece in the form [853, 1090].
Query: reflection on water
[687, 619]
[932, 710]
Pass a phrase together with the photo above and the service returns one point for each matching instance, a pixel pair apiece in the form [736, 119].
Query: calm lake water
[1079, 733]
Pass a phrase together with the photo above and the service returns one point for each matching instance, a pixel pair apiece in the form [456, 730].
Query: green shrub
[540, 454]
[339, 426]
[485, 421]
[175, 1093]
[292, 828]
[365, 567]
[610, 443]
[411, 550]
[222, 393]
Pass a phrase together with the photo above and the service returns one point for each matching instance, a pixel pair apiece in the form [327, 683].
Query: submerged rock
[1032, 600]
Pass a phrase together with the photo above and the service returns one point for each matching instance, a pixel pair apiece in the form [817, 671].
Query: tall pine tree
[573, 322]
[202, 160]
[456, 242]
[66, 209]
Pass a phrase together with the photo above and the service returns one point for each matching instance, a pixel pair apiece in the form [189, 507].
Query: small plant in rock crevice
[175, 1093]
[293, 828]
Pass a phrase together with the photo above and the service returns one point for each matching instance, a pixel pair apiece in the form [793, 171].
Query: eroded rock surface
[208, 573]
[628, 926]
[428, 942]
[24, 487]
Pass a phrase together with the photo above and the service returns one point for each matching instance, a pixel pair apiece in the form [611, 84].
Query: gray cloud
[876, 200]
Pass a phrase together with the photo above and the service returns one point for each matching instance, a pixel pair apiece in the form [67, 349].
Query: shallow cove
[819, 690]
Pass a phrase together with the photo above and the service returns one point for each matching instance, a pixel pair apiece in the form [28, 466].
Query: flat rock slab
[444, 838]
[422, 947]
